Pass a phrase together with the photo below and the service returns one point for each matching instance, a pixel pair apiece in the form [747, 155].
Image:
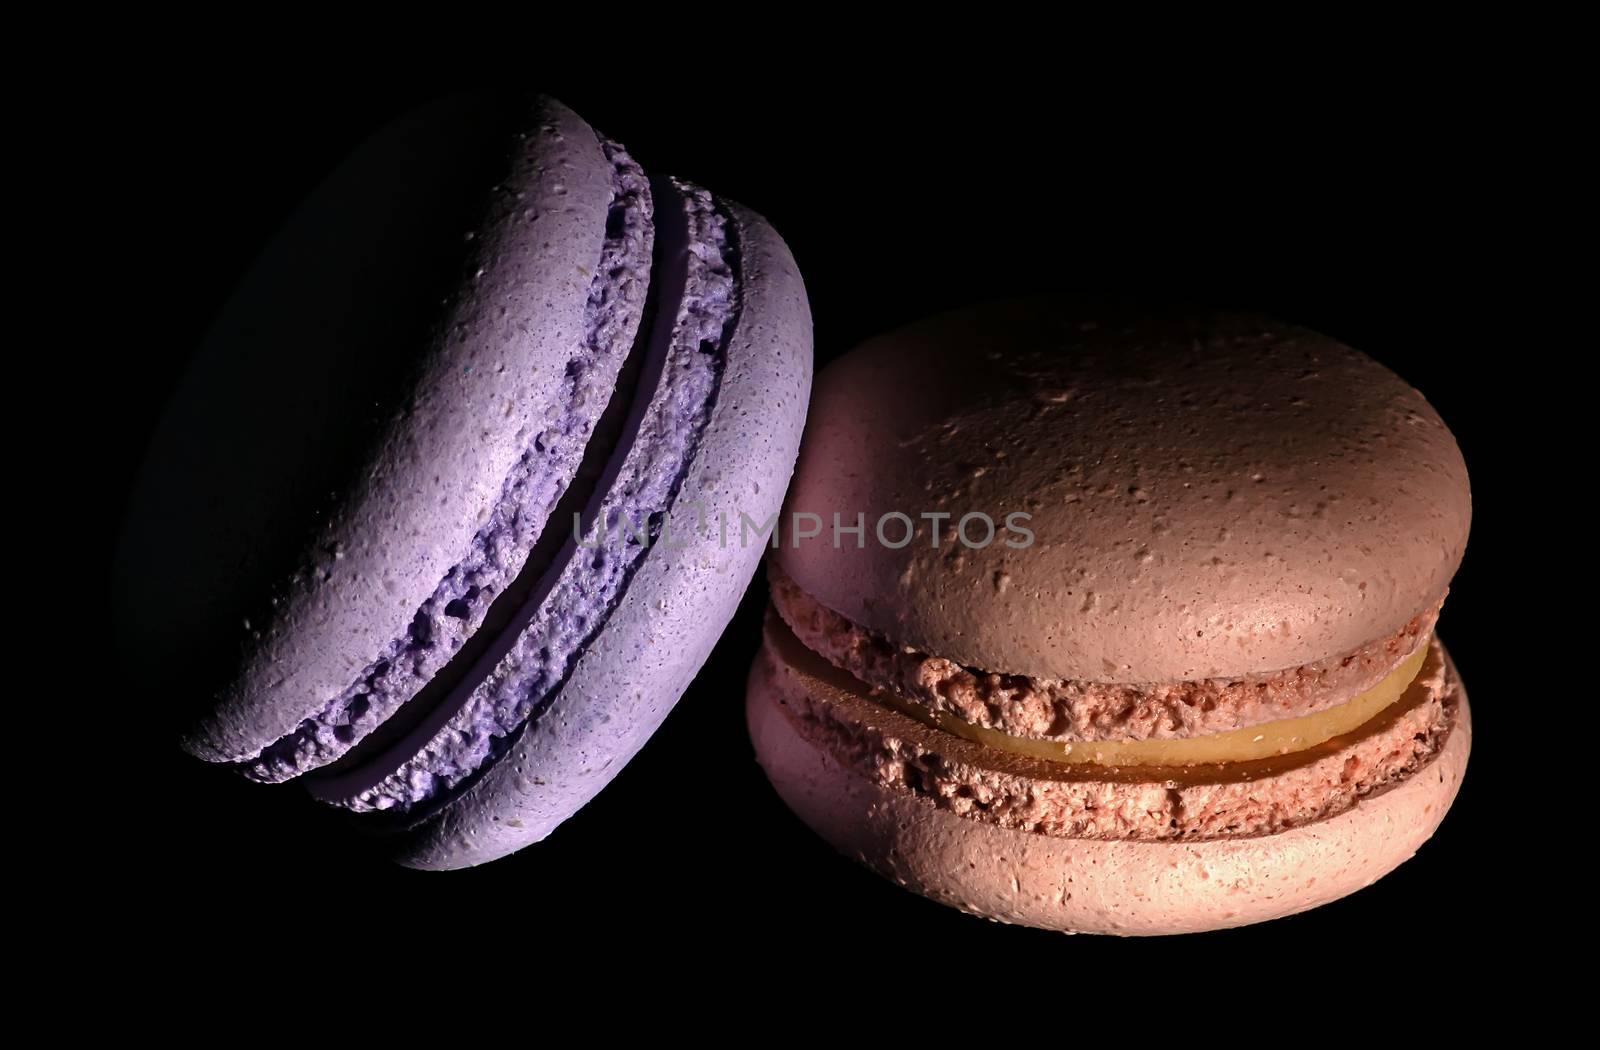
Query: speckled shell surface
[1102, 886]
[461, 415]
[681, 597]
[1208, 496]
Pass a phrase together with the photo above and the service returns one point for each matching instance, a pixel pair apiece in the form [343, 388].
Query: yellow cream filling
[1236, 745]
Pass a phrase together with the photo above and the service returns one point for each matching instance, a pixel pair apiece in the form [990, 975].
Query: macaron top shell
[449, 417]
[1206, 496]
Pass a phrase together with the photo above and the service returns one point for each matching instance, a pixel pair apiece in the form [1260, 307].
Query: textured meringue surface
[518, 517]
[1209, 496]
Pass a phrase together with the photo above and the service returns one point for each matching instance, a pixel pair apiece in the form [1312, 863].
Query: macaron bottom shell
[622, 684]
[1102, 885]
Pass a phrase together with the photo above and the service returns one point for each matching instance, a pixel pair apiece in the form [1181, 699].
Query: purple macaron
[446, 513]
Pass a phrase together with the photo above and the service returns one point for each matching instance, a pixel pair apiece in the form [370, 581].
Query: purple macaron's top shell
[489, 385]
[681, 596]
[529, 661]
[498, 552]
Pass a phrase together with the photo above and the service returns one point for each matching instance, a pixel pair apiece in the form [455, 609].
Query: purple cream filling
[566, 613]
[500, 548]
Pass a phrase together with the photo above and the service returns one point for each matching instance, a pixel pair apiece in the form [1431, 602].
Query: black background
[1379, 218]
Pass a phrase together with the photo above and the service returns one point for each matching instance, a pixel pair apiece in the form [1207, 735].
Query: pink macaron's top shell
[1206, 496]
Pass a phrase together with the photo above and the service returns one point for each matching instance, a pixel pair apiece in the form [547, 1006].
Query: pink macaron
[1116, 625]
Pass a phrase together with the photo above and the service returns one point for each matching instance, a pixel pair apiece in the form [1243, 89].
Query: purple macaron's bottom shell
[456, 608]
[626, 680]
[567, 616]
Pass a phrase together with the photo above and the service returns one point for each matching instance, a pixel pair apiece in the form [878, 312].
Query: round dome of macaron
[1202, 497]
[430, 522]
[1116, 624]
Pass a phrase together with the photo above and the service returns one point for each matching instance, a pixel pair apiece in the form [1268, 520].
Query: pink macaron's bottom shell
[1053, 709]
[1095, 884]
